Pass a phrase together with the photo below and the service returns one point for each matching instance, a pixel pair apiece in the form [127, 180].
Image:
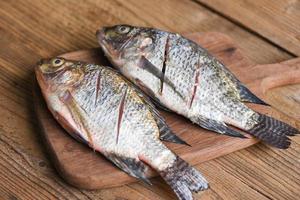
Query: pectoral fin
[149, 95]
[133, 167]
[77, 111]
[148, 66]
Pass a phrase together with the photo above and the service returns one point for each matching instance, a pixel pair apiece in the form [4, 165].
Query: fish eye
[123, 29]
[57, 62]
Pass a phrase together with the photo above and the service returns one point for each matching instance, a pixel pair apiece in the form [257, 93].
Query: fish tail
[273, 131]
[184, 179]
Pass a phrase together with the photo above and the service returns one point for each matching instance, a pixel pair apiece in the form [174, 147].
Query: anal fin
[133, 167]
[217, 126]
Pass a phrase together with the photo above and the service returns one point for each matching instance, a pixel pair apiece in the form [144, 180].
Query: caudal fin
[184, 179]
[273, 132]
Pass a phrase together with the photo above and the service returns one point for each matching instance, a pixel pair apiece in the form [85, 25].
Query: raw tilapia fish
[183, 77]
[97, 106]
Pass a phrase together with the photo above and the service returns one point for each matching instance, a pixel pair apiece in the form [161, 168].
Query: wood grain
[277, 21]
[91, 171]
[34, 29]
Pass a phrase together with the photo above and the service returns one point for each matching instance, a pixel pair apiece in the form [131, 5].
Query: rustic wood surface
[32, 29]
[277, 22]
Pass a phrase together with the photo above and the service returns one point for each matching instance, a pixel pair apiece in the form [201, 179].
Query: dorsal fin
[247, 96]
[244, 94]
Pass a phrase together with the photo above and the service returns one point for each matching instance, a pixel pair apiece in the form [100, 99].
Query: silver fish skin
[183, 77]
[99, 107]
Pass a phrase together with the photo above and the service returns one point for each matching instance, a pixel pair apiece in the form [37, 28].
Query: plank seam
[243, 26]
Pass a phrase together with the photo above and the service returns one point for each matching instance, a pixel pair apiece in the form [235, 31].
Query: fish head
[128, 47]
[123, 44]
[58, 74]
[58, 78]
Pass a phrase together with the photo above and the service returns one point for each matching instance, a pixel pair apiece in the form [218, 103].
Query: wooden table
[266, 31]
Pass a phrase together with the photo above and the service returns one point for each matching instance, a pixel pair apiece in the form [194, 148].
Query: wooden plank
[19, 169]
[277, 21]
[260, 173]
[281, 98]
[186, 17]
[34, 29]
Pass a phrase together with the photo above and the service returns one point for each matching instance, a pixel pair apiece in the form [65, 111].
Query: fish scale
[179, 68]
[195, 84]
[216, 104]
[122, 124]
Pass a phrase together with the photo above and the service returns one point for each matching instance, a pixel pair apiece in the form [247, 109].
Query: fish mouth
[38, 70]
[100, 34]
[39, 75]
[112, 54]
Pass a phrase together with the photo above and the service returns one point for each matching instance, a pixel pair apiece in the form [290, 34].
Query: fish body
[183, 77]
[97, 106]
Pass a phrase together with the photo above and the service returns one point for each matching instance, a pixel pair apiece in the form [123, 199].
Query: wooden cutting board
[84, 168]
